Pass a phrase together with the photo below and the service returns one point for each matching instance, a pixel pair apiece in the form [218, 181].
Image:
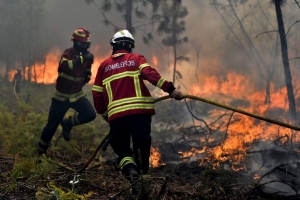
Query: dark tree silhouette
[128, 8]
[285, 59]
[173, 25]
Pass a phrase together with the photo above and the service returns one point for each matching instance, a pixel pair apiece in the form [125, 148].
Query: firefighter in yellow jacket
[74, 71]
[122, 98]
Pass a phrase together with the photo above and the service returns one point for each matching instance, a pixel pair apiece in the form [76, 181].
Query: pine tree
[173, 25]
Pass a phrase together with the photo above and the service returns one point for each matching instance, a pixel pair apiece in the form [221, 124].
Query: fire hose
[105, 140]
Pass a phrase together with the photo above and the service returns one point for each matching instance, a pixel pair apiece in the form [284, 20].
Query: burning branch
[233, 109]
[278, 139]
[227, 129]
[238, 110]
[206, 124]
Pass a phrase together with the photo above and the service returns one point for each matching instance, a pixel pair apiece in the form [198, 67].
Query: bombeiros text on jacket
[127, 63]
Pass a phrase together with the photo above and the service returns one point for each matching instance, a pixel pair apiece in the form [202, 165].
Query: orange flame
[154, 61]
[155, 158]
[242, 130]
[192, 153]
[43, 72]
[256, 176]
[47, 72]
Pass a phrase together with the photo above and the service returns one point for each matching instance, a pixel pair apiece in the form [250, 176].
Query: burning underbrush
[266, 153]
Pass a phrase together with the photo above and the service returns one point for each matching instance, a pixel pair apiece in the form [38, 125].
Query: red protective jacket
[119, 89]
[72, 73]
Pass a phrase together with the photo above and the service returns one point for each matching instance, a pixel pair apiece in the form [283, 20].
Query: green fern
[52, 190]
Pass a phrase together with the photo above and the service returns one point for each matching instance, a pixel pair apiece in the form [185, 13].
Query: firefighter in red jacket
[122, 98]
[74, 71]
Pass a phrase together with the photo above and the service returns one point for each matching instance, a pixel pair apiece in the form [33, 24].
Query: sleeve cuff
[170, 89]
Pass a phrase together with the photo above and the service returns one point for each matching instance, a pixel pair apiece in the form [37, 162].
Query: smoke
[63, 17]
[213, 49]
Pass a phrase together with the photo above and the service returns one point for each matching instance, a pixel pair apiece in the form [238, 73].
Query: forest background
[229, 51]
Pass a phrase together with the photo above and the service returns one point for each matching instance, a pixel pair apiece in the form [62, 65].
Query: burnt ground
[172, 181]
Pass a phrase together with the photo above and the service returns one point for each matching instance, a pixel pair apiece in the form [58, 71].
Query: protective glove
[176, 94]
[88, 57]
[87, 76]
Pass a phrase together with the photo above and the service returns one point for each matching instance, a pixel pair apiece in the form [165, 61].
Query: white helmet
[123, 38]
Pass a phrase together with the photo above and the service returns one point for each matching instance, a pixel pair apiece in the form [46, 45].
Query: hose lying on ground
[186, 96]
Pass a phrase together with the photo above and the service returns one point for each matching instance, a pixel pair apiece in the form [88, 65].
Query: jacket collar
[119, 52]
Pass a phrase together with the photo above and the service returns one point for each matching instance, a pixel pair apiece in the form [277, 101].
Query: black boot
[66, 128]
[132, 172]
[42, 147]
[141, 156]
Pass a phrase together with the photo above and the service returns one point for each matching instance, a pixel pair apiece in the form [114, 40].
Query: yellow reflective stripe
[130, 100]
[143, 65]
[97, 88]
[72, 97]
[74, 119]
[70, 63]
[160, 82]
[125, 161]
[130, 107]
[121, 75]
[59, 94]
[81, 59]
[137, 86]
[63, 60]
[66, 76]
[109, 92]
[79, 33]
[75, 97]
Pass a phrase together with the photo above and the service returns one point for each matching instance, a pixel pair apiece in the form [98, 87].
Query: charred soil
[104, 181]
